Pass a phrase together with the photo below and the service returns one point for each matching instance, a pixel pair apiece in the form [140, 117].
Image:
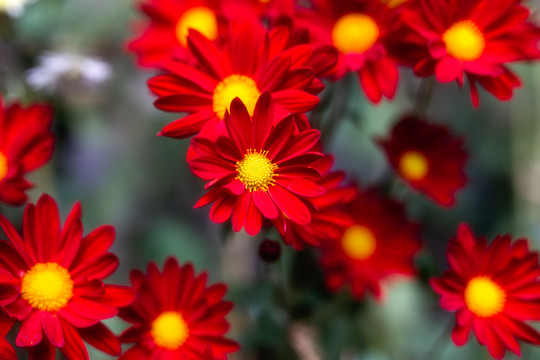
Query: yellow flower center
[47, 286]
[355, 33]
[464, 40]
[358, 242]
[413, 165]
[3, 166]
[256, 171]
[169, 330]
[484, 297]
[199, 18]
[234, 86]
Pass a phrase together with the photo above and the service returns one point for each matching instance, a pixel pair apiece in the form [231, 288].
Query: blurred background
[71, 54]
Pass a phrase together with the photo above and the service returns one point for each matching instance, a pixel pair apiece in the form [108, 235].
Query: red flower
[176, 316]
[258, 169]
[245, 67]
[26, 143]
[379, 242]
[472, 37]
[494, 288]
[428, 158]
[59, 273]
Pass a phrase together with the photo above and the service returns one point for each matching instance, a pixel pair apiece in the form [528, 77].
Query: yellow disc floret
[198, 18]
[464, 40]
[3, 166]
[355, 33]
[358, 242]
[47, 286]
[484, 297]
[413, 166]
[169, 330]
[256, 171]
[234, 86]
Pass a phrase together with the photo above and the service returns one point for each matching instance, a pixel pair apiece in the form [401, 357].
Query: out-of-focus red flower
[258, 169]
[59, 273]
[493, 288]
[269, 251]
[26, 143]
[176, 316]
[428, 157]
[381, 241]
[475, 38]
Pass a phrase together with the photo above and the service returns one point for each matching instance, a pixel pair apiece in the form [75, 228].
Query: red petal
[290, 205]
[53, 328]
[448, 69]
[100, 337]
[31, 331]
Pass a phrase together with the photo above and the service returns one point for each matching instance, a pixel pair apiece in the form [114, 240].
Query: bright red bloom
[26, 143]
[258, 169]
[428, 157]
[176, 316]
[472, 37]
[59, 273]
[493, 288]
[380, 242]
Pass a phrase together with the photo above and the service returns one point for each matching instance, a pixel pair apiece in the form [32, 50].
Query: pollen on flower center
[413, 165]
[3, 166]
[256, 171]
[169, 330]
[47, 286]
[199, 18]
[355, 33]
[358, 242]
[464, 40]
[484, 297]
[233, 86]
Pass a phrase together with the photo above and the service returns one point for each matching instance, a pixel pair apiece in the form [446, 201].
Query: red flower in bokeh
[428, 158]
[472, 37]
[26, 143]
[176, 316]
[59, 273]
[258, 169]
[380, 242]
[493, 288]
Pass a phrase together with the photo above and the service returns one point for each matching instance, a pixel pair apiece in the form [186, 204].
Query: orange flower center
[256, 171]
[393, 3]
[3, 166]
[484, 297]
[199, 18]
[358, 242]
[47, 286]
[464, 40]
[169, 330]
[234, 86]
[413, 166]
[355, 33]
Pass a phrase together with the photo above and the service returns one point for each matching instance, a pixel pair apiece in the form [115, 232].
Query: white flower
[13, 7]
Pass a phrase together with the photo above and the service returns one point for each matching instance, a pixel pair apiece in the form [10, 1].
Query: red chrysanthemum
[380, 242]
[176, 316]
[428, 157]
[493, 288]
[473, 37]
[244, 67]
[59, 273]
[26, 143]
[258, 169]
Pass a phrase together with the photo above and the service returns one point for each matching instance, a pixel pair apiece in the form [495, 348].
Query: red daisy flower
[176, 316]
[26, 143]
[493, 288]
[242, 68]
[258, 169]
[473, 37]
[379, 242]
[59, 273]
[428, 158]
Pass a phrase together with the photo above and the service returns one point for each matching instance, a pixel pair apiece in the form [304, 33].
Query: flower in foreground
[428, 157]
[26, 143]
[493, 288]
[176, 316]
[59, 272]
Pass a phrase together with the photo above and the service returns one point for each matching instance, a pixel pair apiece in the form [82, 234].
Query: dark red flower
[269, 251]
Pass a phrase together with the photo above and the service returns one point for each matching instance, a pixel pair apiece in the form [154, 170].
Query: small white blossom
[13, 7]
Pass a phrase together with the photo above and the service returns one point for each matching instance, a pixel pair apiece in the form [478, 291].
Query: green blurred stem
[424, 95]
[434, 350]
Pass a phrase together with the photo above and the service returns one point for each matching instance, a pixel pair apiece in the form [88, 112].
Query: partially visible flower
[428, 157]
[176, 316]
[493, 288]
[26, 143]
[269, 251]
[14, 7]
